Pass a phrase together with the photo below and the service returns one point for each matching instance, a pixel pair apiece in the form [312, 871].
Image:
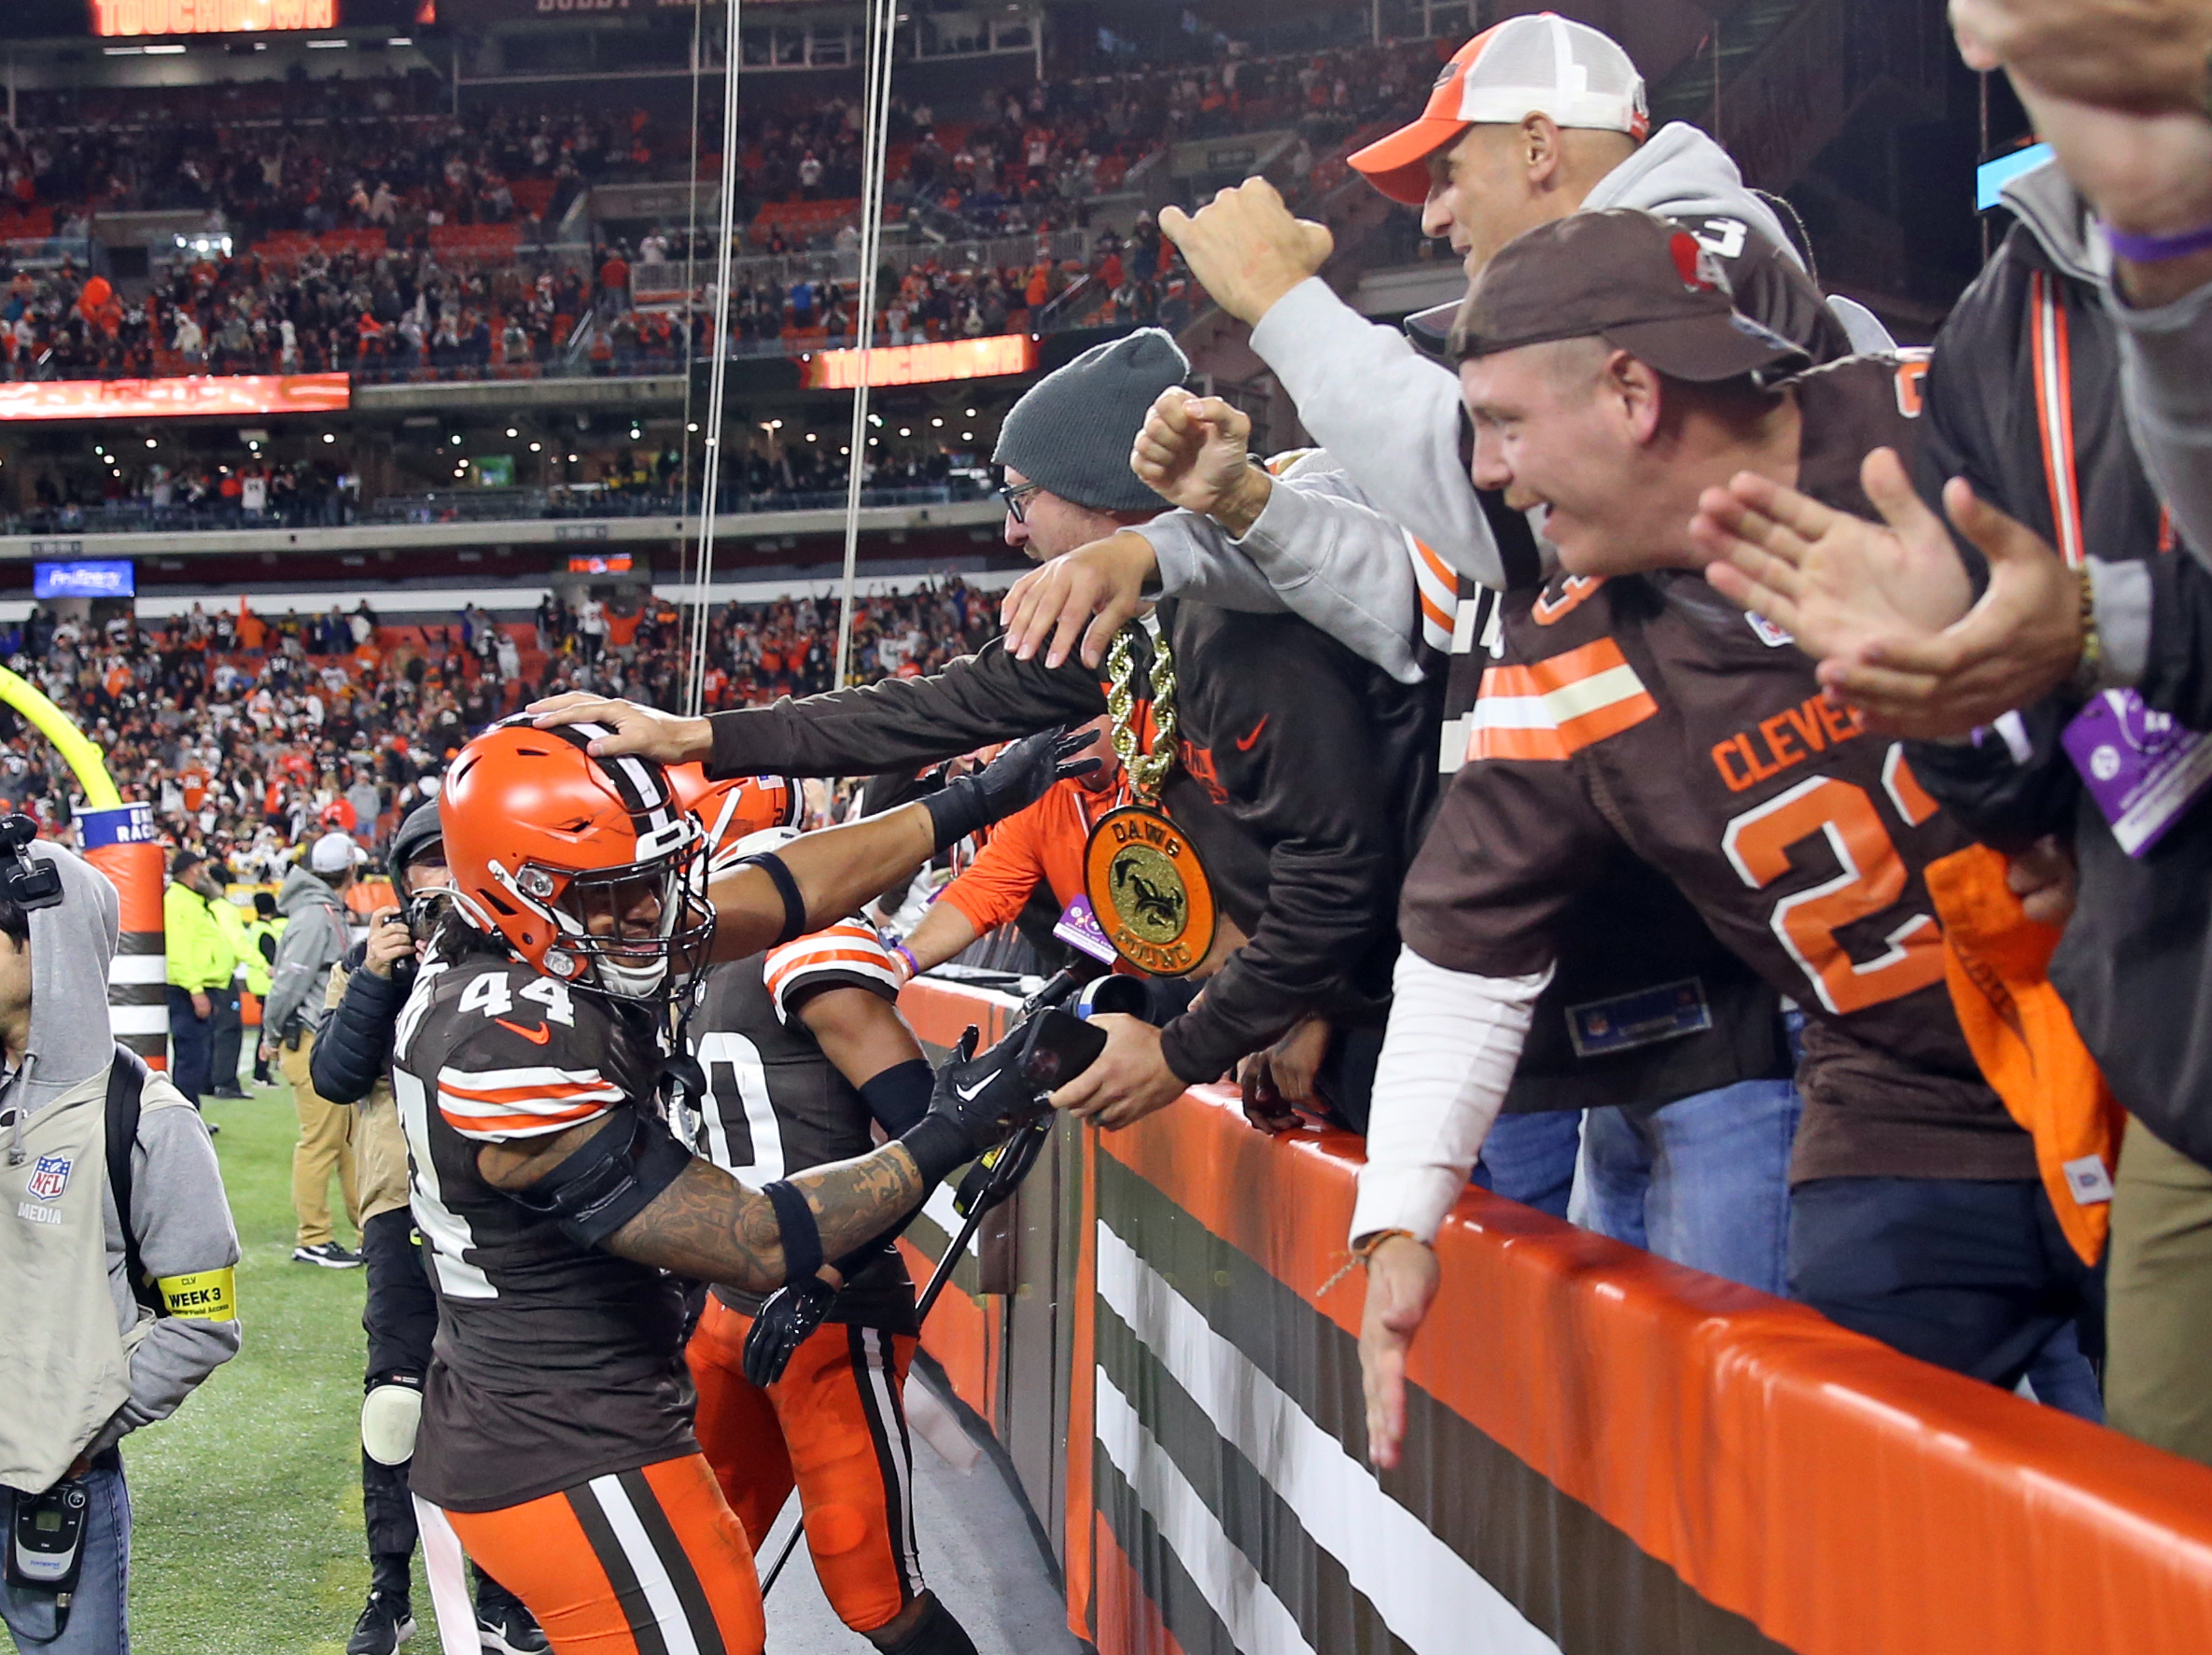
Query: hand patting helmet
[588, 869]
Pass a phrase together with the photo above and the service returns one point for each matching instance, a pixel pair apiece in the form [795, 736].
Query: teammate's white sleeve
[1319, 549]
[1386, 415]
[847, 954]
[1448, 1058]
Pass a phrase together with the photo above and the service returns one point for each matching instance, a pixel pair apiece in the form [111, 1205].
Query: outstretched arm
[838, 871]
[711, 1228]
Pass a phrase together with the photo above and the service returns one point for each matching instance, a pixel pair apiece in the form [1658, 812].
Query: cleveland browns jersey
[1646, 715]
[776, 1104]
[554, 1362]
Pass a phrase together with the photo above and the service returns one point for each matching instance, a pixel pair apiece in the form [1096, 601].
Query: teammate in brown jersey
[1630, 711]
[805, 1055]
[554, 1203]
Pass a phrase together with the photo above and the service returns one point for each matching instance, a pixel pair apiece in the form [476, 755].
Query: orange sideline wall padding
[1606, 1451]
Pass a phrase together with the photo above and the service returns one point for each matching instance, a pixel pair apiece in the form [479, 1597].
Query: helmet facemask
[636, 933]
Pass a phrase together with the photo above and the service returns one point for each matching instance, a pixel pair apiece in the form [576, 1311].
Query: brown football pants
[635, 1563]
[834, 1424]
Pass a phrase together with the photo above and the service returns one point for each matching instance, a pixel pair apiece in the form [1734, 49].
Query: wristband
[955, 812]
[938, 1148]
[2158, 249]
[795, 1226]
[906, 955]
[900, 1096]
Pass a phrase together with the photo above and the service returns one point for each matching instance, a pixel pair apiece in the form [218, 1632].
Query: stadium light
[457, 438]
[510, 430]
[571, 459]
[936, 422]
[810, 436]
[692, 427]
[904, 431]
[971, 413]
[152, 444]
[536, 446]
[329, 435]
[967, 436]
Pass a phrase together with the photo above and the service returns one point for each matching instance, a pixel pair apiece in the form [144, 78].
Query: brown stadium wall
[1607, 1454]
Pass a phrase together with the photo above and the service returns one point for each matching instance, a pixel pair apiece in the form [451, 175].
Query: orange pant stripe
[650, 1562]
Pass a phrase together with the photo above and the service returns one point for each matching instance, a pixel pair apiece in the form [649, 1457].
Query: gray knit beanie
[1072, 430]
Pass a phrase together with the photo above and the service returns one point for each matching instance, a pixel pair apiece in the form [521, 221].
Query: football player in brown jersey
[554, 1203]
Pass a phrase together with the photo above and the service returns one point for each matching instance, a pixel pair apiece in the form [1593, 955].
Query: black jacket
[2135, 963]
[353, 1049]
[1304, 771]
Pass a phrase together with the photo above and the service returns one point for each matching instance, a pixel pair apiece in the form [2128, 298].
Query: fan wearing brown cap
[1632, 711]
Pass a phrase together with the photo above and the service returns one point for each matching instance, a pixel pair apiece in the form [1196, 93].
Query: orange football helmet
[589, 869]
[733, 810]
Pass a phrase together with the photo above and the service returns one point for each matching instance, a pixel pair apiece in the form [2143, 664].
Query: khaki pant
[380, 1154]
[2159, 1294]
[325, 1145]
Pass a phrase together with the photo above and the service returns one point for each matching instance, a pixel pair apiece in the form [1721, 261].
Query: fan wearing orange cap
[1533, 118]
[531, 1072]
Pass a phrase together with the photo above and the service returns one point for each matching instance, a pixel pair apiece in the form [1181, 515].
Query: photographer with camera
[116, 1254]
[350, 1063]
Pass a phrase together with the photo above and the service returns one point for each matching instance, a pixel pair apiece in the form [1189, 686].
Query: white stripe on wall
[1258, 1622]
[138, 968]
[652, 1575]
[940, 1211]
[1426, 1591]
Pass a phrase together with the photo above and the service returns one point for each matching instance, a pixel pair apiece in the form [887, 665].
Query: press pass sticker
[2142, 768]
[1078, 928]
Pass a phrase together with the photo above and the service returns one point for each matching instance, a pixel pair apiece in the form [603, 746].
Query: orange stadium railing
[1605, 1452]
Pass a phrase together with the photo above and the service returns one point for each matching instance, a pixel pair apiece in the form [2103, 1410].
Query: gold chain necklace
[1145, 771]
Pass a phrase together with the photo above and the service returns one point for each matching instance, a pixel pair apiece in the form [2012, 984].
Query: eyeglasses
[1016, 500]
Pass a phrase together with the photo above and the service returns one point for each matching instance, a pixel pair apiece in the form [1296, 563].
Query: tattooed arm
[711, 1228]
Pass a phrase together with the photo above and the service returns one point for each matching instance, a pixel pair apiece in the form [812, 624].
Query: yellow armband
[205, 1295]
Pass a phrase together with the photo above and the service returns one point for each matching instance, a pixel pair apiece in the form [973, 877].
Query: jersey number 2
[1872, 878]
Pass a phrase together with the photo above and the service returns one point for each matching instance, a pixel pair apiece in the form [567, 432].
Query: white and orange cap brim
[1398, 163]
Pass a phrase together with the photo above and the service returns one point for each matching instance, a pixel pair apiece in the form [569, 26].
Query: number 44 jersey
[1645, 716]
[554, 1362]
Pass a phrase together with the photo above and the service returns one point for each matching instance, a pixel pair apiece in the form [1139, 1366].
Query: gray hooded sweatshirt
[314, 939]
[178, 1211]
[1390, 420]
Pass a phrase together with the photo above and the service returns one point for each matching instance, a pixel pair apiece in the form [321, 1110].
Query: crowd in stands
[251, 733]
[374, 234]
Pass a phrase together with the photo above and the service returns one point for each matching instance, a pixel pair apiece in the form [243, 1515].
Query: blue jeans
[99, 1614]
[1530, 1159]
[1973, 1275]
[1704, 1181]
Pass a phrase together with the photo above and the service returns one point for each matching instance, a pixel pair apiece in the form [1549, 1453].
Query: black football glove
[786, 1319]
[1012, 781]
[986, 1097]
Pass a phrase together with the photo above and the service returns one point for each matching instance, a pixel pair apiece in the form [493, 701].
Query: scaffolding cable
[882, 25]
[711, 463]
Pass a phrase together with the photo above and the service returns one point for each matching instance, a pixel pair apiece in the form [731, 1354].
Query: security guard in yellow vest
[200, 965]
[229, 1025]
[261, 933]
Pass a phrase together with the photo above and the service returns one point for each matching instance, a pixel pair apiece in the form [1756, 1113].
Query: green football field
[248, 1503]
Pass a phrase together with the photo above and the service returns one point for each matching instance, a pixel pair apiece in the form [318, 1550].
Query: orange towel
[1997, 961]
